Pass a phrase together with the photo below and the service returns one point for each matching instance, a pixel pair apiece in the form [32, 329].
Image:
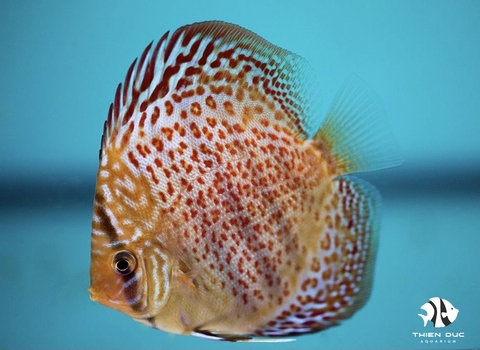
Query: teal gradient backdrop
[60, 63]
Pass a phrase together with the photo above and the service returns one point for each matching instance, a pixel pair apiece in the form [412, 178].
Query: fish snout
[93, 294]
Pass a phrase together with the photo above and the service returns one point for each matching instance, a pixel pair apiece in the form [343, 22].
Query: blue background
[60, 63]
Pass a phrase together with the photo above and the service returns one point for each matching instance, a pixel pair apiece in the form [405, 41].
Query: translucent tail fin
[355, 131]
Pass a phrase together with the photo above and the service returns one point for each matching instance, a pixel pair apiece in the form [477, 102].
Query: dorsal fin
[211, 49]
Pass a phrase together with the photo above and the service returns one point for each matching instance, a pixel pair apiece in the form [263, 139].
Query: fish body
[221, 208]
[440, 311]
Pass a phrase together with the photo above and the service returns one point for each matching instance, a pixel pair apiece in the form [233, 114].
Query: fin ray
[356, 132]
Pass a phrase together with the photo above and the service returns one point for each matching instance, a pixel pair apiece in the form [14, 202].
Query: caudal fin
[355, 131]
[425, 319]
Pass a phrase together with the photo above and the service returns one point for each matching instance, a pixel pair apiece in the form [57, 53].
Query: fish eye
[124, 263]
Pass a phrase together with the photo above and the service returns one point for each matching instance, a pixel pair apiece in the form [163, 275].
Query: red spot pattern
[228, 170]
[345, 259]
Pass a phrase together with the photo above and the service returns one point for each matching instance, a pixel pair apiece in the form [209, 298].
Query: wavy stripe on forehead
[105, 224]
[200, 54]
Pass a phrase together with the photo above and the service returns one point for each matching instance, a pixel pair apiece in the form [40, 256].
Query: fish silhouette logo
[440, 311]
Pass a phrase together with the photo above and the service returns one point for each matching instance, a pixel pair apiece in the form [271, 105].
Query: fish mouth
[93, 295]
[103, 298]
[98, 297]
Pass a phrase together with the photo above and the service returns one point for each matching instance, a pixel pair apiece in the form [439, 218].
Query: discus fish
[222, 208]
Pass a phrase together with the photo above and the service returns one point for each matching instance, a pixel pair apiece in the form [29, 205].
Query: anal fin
[238, 337]
[359, 208]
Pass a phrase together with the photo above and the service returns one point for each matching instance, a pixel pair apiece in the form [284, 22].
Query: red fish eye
[124, 263]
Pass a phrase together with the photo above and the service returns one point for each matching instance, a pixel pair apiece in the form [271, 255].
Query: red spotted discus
[222, 206]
